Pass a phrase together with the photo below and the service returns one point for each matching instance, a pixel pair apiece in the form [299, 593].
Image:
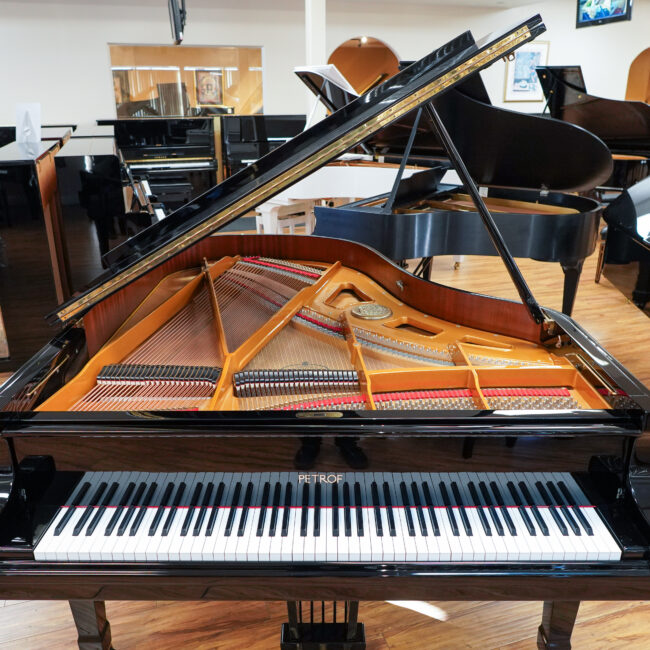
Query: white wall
[56, 51]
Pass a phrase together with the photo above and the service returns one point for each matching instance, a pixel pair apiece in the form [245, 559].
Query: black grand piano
[528, 168]
[149, 447]
[627, 239]
[623, 125]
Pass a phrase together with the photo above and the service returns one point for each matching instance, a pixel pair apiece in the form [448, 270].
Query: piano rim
[625, 580]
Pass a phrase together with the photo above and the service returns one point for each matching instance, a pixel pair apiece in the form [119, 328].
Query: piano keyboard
[363, 517]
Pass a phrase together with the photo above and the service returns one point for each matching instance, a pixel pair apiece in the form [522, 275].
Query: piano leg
[93, 628]
[571, 277]
[558, 618]
[641, 293]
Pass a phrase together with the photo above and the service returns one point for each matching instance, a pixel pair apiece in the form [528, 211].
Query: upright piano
[177, 156]
[280, 418]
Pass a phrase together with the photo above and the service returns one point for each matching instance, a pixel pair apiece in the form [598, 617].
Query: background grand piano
[423, 218]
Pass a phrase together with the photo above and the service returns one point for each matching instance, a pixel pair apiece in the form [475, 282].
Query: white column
[315, 48]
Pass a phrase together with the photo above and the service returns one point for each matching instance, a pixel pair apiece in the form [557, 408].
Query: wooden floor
[609, 317]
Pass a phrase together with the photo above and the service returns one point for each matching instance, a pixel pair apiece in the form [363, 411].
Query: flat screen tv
[599, 12]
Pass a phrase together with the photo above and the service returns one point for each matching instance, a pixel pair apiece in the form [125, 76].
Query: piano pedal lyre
[312, 631]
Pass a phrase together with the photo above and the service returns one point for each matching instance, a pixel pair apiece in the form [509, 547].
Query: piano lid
[315, 147]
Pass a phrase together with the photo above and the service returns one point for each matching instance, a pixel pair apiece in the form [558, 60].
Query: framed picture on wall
[208, 87]
[522, 84]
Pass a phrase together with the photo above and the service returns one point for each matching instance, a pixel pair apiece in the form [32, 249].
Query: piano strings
[281, 349]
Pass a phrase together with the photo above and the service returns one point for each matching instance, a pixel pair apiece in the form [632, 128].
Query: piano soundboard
[255, 333]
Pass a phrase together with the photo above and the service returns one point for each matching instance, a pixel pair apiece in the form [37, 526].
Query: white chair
[277, 214]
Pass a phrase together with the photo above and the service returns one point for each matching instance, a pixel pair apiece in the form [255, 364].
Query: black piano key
[216, 504]
[359, 509]
[418, 509]
[89, 509]
[533, 508]
[304, 510]
[377, 508]
[428, 499]
[119, 509]
[161, 509]
[504, 511]
[450, 512]
[335, 510]
[317, 504]
[274, 513]
[194, 501]
[520, 508]
[551, 508]
[479, 509]
[576, 509]
[172, 512]
[102, 508]
[563, 509]
[407, 509]
[287, 509]
[389, 510]
[131, 509]
[141, 513]
[71, 509]
[204, 508]
[263, 506]
[233, 509]
[245, 509]
[491, 509]
[346, 510]
[461, 508]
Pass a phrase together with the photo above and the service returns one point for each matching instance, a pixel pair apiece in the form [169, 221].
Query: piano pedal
[306, 633]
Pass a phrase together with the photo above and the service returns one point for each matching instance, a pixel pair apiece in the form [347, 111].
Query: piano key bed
[358, 517]
[255, 333]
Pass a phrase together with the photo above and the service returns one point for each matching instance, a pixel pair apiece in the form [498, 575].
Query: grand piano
[627, 241]
[529, 183]
[623, 125]
[151, 446]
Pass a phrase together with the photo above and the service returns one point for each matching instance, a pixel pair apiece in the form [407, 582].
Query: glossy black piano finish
[628, 238]
[27, 284]
[48, 449]
[408, 232]
[95, 216]
[623, 125]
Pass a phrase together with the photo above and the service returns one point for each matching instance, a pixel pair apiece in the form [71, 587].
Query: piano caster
[301, 634]
[93, 628]
[558, 619]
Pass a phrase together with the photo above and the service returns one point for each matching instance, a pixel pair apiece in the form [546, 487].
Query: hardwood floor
[604, 312]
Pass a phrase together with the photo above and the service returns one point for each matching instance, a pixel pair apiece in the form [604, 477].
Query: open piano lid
[315, 147]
